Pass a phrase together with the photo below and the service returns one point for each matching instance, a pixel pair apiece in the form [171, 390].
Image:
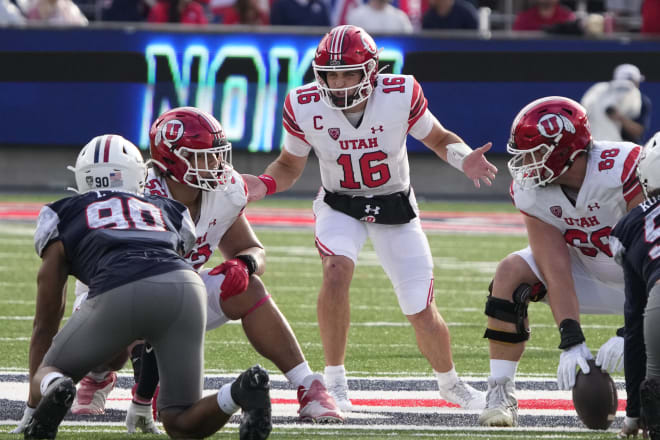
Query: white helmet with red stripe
[345, 48]
[110, 162]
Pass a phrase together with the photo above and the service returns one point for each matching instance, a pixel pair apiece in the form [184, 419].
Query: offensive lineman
[127, 248]
[356, 121]
[188, 144]
[635, 242]
[571, 191]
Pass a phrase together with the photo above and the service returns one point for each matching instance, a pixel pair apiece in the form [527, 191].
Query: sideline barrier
[61, 87]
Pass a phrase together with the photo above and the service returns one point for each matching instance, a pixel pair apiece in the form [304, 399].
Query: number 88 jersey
[370, 159]
[610, 182]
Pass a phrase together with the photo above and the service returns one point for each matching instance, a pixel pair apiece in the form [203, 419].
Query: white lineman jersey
[609, 184]
[218, 212]
[371, 159]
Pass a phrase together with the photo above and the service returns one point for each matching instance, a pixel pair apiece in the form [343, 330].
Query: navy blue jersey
[635, 243]
[112, 238]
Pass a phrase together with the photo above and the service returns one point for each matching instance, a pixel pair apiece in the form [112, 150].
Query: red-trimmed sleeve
[513, 200]
[418, 104]
[631, 185]
[289, 120]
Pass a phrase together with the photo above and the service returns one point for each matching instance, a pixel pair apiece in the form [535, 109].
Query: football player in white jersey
[127, 247]
[191, 161]
[571, 191]
[356, 121]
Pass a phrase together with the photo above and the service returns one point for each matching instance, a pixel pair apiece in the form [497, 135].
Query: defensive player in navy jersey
[571, 191]
[635, 242]
[128, 249]
[357, 120]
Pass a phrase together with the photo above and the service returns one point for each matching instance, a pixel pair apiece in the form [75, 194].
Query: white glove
[610, 355]
[27, 415]
[569, 360]
[630, 427]
[140, 417]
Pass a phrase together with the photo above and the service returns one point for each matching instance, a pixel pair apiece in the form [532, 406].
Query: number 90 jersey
[370, 159]
[609, 184]
[218, 211]
[111, 238]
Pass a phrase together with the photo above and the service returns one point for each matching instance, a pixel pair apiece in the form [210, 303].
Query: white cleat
[316, 404]
[502, 405]
[338, 388]
[464, 395]
[91, 395]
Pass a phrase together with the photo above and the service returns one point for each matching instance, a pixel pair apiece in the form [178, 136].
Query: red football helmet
[189, 145]
[346, 48]
[546, 137]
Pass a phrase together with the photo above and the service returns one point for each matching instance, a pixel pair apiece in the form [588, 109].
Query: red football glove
[236, 275]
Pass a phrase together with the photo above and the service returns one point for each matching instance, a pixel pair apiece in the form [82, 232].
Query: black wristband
[621, 331]
[249, 261]
[571, 333]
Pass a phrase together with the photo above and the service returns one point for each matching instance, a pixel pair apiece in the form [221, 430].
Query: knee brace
[514, 312]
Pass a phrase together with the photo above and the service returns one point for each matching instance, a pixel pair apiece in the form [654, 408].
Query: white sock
[48, 378]
[503, 368]
[447, 378]
[335, 370]
[98, 376]
[297, 374]
[225, 402]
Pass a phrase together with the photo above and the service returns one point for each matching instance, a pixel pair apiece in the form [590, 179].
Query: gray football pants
[168, 310]
[651, 334]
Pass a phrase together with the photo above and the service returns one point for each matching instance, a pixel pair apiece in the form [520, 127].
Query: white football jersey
[371, 159]
[219, 210]
[610, 183]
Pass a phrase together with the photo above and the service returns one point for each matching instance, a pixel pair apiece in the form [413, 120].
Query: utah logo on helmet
[546, 137]
[189, 146]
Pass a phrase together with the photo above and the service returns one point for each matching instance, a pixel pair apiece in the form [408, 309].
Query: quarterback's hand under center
[569, 360]
[476, 166]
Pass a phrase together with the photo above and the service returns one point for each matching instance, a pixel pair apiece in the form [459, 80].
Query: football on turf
[595, 398]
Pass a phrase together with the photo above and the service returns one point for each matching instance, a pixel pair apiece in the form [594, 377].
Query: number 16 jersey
[370, 159]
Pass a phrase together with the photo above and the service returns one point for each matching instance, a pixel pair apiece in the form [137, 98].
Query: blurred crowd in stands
[592, 17]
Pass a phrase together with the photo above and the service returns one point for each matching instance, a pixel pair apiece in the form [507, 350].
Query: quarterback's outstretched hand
[569, 360]
[256, 187]
[477, 167]
[27, 415]
[610, 355]
[236, 279]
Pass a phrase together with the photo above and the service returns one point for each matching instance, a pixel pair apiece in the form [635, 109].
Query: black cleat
[649, 392]
[251, 392]
[54, 405]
